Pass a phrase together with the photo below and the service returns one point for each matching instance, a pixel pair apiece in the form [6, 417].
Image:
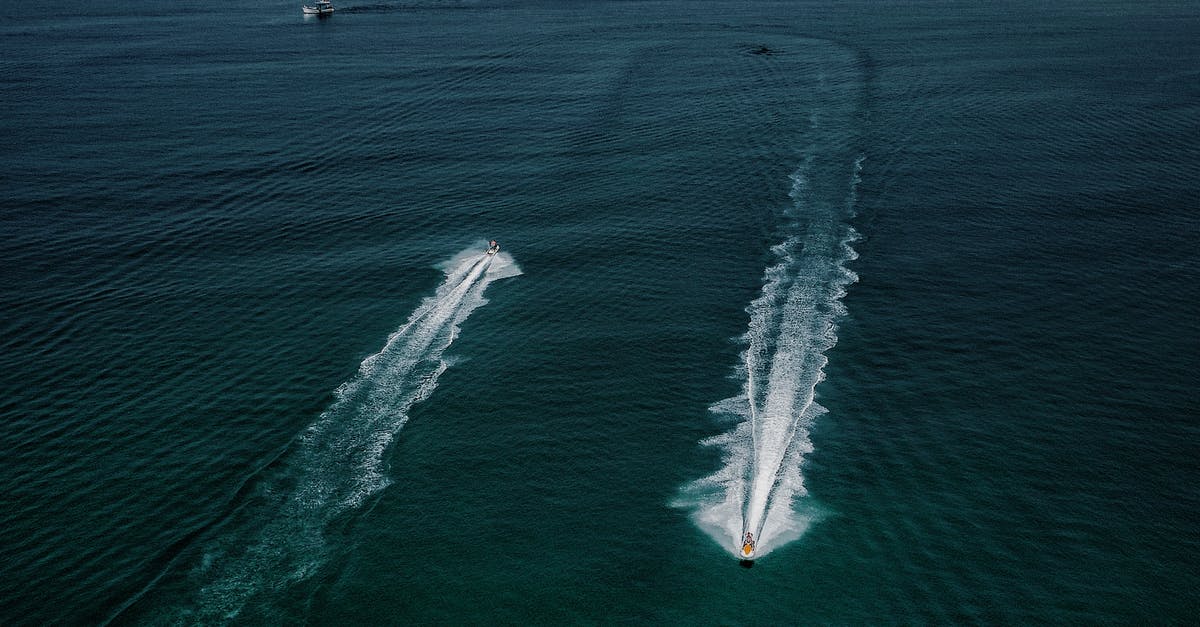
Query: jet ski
[747, 552]
[493, 248]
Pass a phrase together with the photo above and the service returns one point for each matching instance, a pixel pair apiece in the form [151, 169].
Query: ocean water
[908, 290]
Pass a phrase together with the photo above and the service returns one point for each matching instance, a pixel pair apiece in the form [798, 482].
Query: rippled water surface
[906, 290]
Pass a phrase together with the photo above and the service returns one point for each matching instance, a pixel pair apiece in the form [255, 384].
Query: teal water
[907, 289]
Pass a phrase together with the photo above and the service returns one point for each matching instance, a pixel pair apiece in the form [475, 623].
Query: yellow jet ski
[747, 552]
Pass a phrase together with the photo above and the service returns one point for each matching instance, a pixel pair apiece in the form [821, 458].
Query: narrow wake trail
[277, 537]
[792, 325]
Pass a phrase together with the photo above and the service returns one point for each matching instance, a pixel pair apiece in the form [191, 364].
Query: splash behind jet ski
[493, 247]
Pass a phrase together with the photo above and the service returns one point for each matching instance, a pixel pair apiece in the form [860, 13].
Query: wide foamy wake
[792, 325]
[278, 537]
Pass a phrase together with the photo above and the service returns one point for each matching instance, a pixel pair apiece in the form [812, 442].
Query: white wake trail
[337, 462]
[792, 325]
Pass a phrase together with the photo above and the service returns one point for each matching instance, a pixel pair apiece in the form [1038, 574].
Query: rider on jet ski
[493, 247]
[748, 544]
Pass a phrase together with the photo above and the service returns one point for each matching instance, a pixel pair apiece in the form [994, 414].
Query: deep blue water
[908, 290]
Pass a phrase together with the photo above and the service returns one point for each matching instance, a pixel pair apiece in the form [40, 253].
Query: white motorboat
[320, 7]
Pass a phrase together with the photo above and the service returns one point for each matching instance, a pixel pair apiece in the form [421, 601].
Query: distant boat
[321, 7]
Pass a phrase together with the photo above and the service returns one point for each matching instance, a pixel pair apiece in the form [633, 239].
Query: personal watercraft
[493, 248]
[747, 552]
